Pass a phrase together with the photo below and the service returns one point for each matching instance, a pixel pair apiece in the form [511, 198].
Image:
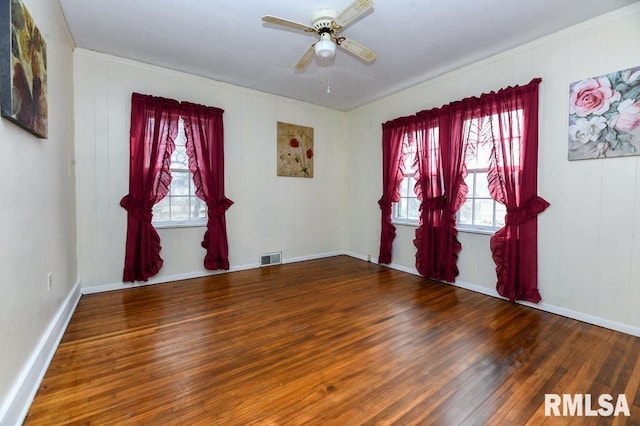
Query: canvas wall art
[295, 150]
[23, 69]
[604, 116]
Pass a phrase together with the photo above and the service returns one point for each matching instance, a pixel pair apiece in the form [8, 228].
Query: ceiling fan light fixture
[327, 24]
[325, 48]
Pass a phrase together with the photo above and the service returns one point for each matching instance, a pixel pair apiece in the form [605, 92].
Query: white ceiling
[226, 40]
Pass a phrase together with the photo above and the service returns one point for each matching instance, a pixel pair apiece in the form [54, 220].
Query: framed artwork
[604, 116]
[23, 69]
[295, 150]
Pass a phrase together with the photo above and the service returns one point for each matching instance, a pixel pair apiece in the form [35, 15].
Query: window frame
[180, 223]
[471, 227]
[409, 173]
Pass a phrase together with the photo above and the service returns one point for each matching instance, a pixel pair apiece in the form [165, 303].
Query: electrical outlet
[49, 281]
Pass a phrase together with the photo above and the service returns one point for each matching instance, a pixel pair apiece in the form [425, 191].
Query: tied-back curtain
[513, 181]
[441, 148]
[393, 134]
[205, 148]
[154, 127]
[508, 121]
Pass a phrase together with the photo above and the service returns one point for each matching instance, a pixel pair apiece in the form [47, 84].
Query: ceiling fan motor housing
[323, 19]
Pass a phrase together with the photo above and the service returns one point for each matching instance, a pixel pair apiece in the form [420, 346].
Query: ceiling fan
[327, 24]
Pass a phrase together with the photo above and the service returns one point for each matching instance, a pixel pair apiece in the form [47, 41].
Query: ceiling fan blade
[285, 22]
[355, 9]
[358, 49]
[306, 58]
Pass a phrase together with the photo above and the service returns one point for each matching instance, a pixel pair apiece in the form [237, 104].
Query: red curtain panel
[441, 170]
[154, 126]
[513, 181]
[393, 133]
[205, 148]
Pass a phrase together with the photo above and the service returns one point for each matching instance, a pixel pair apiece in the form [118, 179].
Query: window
[181, 207]
[480, 212]
[407, 209]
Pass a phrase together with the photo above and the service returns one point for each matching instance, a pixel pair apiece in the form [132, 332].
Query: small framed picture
[295, 150]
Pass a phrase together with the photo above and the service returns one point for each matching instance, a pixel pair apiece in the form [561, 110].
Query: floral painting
[604, 116]
[295, 150]
[23, 79]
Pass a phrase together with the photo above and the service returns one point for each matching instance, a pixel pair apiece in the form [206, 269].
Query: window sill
[474, 230]
[405, 223]
[466, 229]
[183, 224]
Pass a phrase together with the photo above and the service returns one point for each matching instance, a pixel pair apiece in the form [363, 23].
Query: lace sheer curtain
[154, 127]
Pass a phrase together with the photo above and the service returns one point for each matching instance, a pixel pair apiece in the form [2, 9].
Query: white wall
[37, 217]
[589, 239]
[302, 217]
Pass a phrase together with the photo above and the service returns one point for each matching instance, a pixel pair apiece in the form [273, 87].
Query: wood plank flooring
[334, 341]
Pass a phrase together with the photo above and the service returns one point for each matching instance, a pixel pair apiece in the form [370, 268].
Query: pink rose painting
[295, 150]
[604, 116]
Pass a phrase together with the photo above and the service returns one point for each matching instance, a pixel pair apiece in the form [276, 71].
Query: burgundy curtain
[154, 126]
[205, 149]
[393, 133]
[508, 120]
[441, 147]
[513, 181]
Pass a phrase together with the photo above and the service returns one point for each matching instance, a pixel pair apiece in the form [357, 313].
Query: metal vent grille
[271, 259]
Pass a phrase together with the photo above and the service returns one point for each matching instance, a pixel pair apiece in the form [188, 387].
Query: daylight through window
[407, 209]
[480, 212]
[180, 207]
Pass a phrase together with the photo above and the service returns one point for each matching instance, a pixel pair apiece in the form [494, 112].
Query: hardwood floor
[334, 341]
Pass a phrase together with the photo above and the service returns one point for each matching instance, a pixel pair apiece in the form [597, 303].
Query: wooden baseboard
[559, 310]
[15, 407]
[543, 306]
[198, 274]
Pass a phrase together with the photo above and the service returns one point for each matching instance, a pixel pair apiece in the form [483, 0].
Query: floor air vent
[271, 259]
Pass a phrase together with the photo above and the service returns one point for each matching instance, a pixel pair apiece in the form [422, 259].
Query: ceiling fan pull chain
[321, 79]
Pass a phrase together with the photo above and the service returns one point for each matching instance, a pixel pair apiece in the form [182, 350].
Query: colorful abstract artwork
[23, 69]
[604, 116]
[295, 150]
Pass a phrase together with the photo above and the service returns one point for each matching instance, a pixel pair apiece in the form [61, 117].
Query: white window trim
[183, 223]
[407, 222]
[192, 223]
[478, 229]
[470, 229]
